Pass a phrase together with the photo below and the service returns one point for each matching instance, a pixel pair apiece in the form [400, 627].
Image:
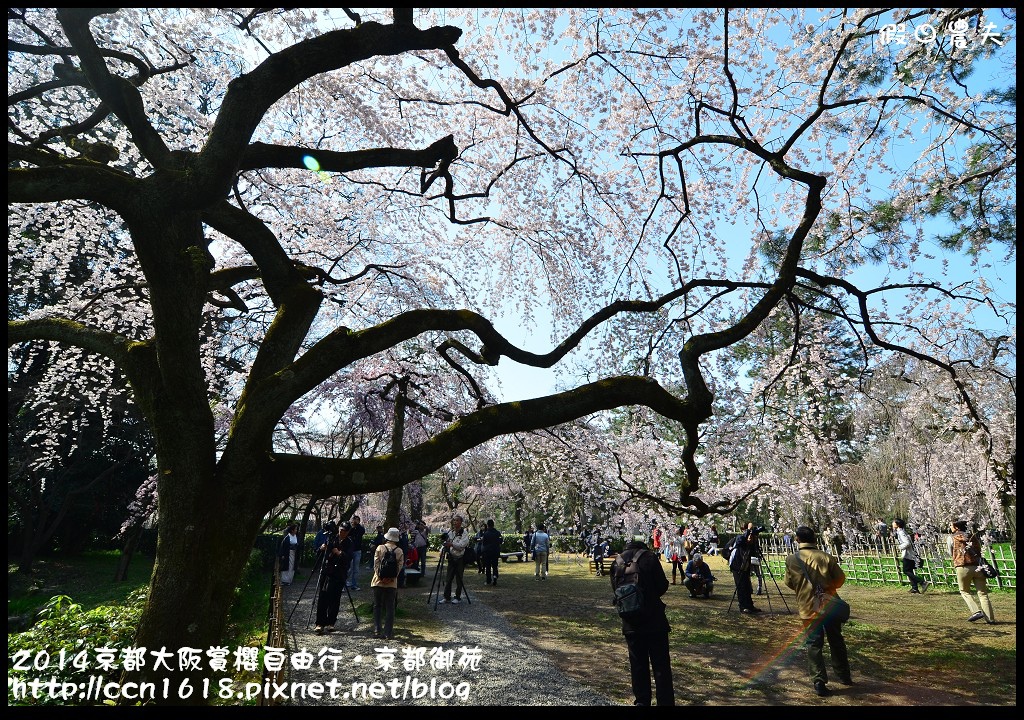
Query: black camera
[758, 529]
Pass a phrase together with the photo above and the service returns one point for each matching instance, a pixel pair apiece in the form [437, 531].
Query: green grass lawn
[88, 578]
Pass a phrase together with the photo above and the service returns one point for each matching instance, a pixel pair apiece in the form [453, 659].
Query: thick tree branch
[262, 155]
[116, 92]
[78, 179]
[249, 96]
[334, 476]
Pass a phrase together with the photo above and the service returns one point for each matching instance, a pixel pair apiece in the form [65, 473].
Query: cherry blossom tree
[277, 199]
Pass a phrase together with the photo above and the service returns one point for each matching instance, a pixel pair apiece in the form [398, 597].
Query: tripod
[316, 564]
[767, 590]
[321, 581]
[438, 580]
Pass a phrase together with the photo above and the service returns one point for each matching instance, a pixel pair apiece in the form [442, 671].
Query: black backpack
[629, 595]
[388, 564]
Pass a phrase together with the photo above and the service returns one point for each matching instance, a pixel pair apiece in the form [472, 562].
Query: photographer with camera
[337, 558]
[815, 575]
[741, 549]
[456, 541]
[698, 578]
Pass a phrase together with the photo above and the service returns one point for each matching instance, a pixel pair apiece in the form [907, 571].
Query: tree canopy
[254, 221]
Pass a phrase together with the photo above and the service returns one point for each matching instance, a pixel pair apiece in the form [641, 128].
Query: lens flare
[311, 162]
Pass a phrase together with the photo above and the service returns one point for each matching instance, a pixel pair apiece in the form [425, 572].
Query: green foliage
[66, 638]
[96, 618]
[511, 542]
[975, 221]
[248, 617]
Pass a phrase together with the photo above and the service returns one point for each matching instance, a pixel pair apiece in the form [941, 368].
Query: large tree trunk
[198, 566]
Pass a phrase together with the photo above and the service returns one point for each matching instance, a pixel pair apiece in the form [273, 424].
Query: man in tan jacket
[807, 571]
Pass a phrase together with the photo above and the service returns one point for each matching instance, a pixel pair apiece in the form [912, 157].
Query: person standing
[403, 544]
[839, 542]
[491, 552]
[807, 569]
[478, 547]
[599, 552]
[835, 540]
[656, 539]
[787, 540]
[713, 541]
[385, 584]
[356, 536]
[337, 558]
[378, 539]
[528, 543]
[741, 549]
[456, 544]
[689, 544]
[287, 553]
[677, 555]
[880, 529]
[905, 545]
[647, 635]
[540, 548]
[966, 552]
[420, 542]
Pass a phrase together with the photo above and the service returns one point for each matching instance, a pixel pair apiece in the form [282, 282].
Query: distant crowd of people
[812, 572]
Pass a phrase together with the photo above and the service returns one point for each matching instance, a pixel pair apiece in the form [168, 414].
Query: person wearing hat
[337, 556]
[385, 586]
[697, 577]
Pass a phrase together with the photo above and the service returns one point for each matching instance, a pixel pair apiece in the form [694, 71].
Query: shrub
[63, 643]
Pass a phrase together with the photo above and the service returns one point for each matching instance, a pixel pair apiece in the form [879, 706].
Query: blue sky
[521, 382]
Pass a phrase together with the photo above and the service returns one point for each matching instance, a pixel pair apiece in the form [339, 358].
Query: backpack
[629, 595]
[388, 564]
[469, 555]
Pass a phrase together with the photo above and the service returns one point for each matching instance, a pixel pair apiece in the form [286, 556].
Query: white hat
[391, 534]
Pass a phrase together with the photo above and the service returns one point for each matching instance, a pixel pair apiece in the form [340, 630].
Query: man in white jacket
[455, 545]
[905, 545]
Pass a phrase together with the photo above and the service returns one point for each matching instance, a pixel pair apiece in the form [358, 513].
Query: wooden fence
[882, 563]
[275, 632]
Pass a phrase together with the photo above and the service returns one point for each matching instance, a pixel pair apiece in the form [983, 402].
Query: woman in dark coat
[287, 552]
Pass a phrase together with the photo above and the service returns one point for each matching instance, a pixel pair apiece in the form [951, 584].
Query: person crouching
[697, 577]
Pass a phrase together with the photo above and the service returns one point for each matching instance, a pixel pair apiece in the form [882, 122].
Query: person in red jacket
[656, 539]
